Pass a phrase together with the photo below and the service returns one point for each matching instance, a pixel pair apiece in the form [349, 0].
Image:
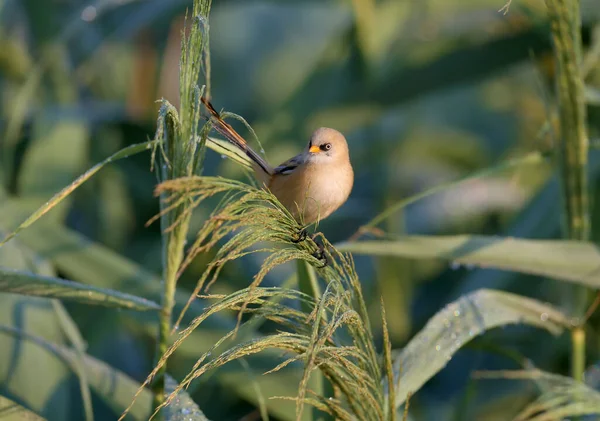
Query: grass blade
[561, 397]
[60, 196]
[183, 408]
[226, 149]
[71, 331]
[10, 410]
[572, 261]
[26, 283]
[459, 322]
[113, 386]
[307, 283]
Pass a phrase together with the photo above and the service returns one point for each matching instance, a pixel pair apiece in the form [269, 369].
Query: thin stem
[173, 246]
[308, 283]
[578, 353]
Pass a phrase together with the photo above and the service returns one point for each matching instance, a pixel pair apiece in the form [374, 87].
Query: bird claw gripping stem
[302, 234]
[321, 255]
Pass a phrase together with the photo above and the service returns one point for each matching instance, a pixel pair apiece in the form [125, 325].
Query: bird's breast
[313, 192]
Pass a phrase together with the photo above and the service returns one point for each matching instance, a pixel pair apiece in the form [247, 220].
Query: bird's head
[327, 146]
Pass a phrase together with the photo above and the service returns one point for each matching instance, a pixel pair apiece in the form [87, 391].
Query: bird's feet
[301, 236]
[320, 253]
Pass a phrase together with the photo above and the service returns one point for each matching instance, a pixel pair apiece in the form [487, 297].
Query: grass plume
[334, 336]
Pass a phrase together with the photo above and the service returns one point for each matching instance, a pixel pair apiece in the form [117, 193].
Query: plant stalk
[572, 146]
[173, 247]
[308, 283]
[181, 155]
[578, 352]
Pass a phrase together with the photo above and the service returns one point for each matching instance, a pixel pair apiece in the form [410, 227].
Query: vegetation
[163, 283]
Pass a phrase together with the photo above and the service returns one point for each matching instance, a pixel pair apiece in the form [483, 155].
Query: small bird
[311, 185]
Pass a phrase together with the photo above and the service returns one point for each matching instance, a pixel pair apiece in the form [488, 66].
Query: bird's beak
[314, 149]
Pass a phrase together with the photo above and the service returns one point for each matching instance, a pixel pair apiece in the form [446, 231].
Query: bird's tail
[232, 136]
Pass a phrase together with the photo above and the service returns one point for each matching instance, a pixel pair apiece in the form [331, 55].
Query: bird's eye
[326, 146]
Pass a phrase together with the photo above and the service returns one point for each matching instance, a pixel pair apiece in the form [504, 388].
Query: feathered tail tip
[222, 126]
[227, 131]
[209, 107]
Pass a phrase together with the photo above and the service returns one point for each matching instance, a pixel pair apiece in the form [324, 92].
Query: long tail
[231, 135]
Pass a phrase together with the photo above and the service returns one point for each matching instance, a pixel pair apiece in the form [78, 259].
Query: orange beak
[314, 149]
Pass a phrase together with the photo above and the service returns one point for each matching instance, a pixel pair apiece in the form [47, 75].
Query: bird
[311, 185]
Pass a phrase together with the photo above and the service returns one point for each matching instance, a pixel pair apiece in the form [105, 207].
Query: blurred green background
[426, 92]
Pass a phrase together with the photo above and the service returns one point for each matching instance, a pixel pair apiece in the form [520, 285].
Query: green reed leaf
[27, 283]
[60, 196]
[458, 323]
[566, 260]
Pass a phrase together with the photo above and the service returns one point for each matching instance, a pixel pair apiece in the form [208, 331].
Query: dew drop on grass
[544, 317]
[262, 150]
[456, 313]
[185, 411]
[223, 156]
[438, 347]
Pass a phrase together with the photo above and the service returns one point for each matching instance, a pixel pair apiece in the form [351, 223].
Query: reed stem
[181, 155]
[572, 146]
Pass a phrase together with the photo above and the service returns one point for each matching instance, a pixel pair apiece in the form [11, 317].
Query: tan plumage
[311, 185]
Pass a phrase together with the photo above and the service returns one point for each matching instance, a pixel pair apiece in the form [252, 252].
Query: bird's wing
[290, 165]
